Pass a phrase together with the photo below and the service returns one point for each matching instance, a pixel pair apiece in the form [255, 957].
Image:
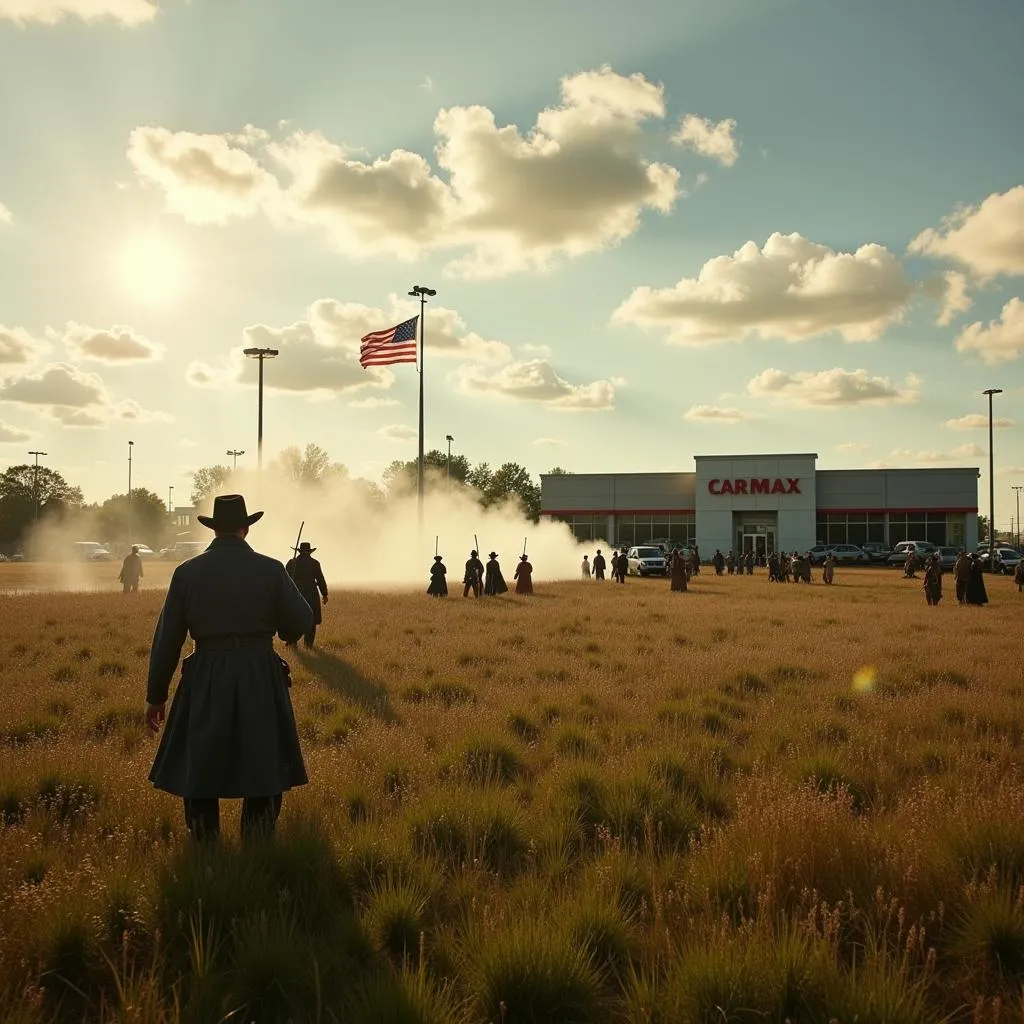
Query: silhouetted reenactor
[976, 593]
[231, 729]
[131, 572]
[774, 568]
[962, 576]
[599, 565]
[730, 564]
[677, 567]
[828, 569]
[695, 561]
[524, 576]
[910, 566]
[438, 584]
[474, 576]
[1018, 576]
[305, 570]
[718, 561]
[748, 562]
[932, 585]
[494, 582]
[620, 566]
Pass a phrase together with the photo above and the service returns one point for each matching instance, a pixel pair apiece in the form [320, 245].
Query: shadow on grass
[348, 682]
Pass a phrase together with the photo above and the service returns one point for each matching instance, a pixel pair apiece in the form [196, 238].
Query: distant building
[183, 522]
[767, 502]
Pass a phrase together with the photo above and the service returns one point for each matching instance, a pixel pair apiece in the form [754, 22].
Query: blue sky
[581, 319]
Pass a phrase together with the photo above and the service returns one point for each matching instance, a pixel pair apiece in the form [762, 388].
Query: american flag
[395, 345]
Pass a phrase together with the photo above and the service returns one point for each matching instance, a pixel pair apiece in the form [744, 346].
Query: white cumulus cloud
[18, 347]
[373, 403]
[536, 380]
[968, 451]
[49, 12]
[832, 388]
[575, 182]
[953, 299]
[790, 289]
[978, 421]
[851, 446]
[988, 239]
[716, 414]
[74, 398]
[704, 136]
[12, 435]
[398, 432]
[1001, 341]
[115, 345]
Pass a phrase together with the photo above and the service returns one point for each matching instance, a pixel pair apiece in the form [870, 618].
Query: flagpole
[421, 292]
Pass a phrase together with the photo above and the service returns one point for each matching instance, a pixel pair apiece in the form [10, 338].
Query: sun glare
[151, 269]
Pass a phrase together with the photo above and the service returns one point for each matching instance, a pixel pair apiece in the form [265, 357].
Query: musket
[524, 545]
[476, 544]
[435, 544]
[295, 549]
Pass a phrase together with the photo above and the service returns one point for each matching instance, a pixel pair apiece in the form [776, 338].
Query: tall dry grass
[604, 803]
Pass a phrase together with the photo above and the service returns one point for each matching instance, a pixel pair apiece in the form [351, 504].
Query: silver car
[646, 561]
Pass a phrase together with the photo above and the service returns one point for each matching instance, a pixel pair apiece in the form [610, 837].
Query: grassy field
[744, 803]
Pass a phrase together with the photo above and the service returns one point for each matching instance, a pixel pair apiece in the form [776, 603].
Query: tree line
[62, 504]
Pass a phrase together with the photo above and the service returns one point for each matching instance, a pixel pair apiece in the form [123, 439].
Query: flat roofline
[653, 472]
[905, 469]
[763, 455]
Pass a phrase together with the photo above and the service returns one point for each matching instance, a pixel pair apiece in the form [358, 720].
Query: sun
[151, 269]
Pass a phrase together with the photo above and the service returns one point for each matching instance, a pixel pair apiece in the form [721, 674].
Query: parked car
[145, 551]
[948, 557]
[1004, 562]
[922, 549]
[849, 553]
[646, 561]
[818, 552]
[90, 551]
[183, 549]
[875, 550]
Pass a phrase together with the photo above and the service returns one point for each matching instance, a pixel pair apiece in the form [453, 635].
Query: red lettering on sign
[727, 487]
[712, 488]
[758, 486]
[778, 487]
[755, 485]
[741, 487]
[794, 485]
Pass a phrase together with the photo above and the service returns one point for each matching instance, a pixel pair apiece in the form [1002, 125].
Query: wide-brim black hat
[305, 548]
[437, 558]
[229, 514]
[493, 554]
[524, 558]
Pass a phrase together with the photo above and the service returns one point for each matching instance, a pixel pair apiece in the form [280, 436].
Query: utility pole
[170, 507]
[35, 485]
[991, 483]
[260, 354]
[131, 445]
[448, 466]
[1018, 488]
[421, 292]
[234, 454]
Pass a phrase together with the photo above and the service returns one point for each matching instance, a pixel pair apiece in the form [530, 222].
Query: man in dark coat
[231, 729]
[438, 584]
[933, 579]
[718, 561]
[305, 570]
[131, 572]
[494, 582]
[473, 578]
[976, 593]
[620, 566]
[962, 576]
[677, 561]
[599, 565]
[524, 575]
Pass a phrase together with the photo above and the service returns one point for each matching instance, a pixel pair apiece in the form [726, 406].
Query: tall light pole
[234, 455]
[35, 485]
[991, 482]
[170, 507]
[131, 445]
[448, 466]
[1018, 488]
[421, 292]
[260, 354]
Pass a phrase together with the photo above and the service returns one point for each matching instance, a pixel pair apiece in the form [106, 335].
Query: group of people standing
[596, 569]
[482, 579]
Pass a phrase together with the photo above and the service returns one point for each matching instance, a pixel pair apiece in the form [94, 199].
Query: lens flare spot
[864, 679]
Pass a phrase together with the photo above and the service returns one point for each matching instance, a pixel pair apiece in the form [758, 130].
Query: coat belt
[235, 643]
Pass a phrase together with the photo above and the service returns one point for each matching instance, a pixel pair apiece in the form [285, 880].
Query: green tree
[18, 493]
[207, 482]
[400, 477]
[148, 519]
[480, 478]
[512, 481]
[558, 471]
[310, 466]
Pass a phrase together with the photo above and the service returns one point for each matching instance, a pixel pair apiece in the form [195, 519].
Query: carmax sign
[755, 485]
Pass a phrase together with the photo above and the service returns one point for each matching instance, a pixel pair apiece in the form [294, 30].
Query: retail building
[767, 502]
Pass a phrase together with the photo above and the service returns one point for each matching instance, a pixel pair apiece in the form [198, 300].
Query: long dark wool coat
[231, 729]
[309, 578]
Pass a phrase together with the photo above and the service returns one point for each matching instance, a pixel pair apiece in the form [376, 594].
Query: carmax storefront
[767, 502]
